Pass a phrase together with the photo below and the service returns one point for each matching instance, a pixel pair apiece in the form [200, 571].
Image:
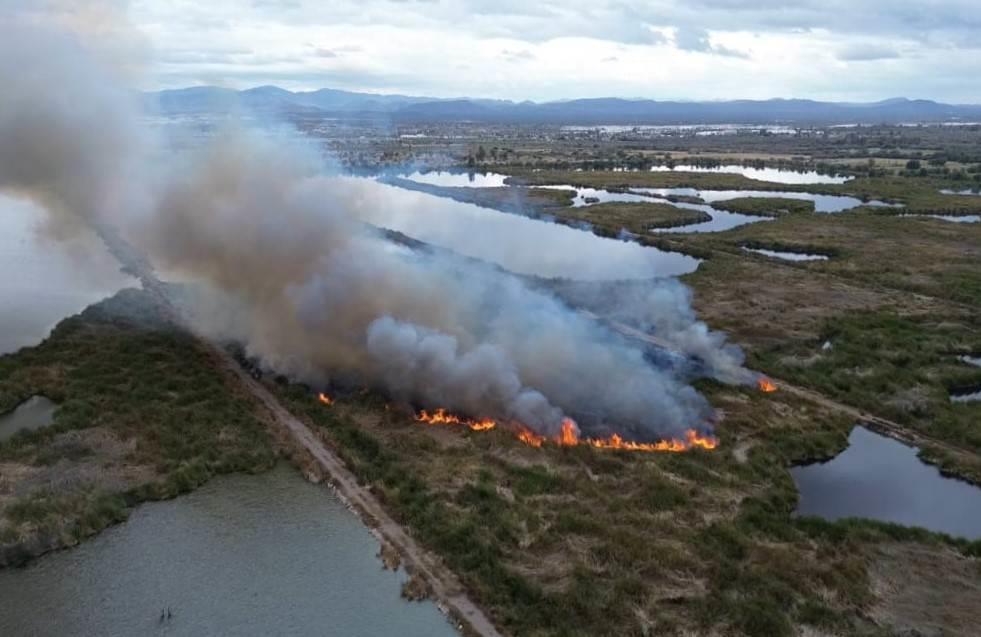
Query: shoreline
[447, 592]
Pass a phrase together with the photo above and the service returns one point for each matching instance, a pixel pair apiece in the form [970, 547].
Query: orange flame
[569, 435]
[766, 385]
[325, 399]
[443, 417]
[530, 438]
[692, 439]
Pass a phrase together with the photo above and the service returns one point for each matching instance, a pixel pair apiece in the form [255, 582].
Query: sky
[843, 50]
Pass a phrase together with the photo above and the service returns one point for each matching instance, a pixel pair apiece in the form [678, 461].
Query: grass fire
[443, 417]
[569, 435]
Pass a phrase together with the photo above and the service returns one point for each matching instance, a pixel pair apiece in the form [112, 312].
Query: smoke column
[284, 263]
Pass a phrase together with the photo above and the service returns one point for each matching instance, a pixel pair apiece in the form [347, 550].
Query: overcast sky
[524, 49]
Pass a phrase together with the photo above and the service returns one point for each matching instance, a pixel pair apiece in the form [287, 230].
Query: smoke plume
[285, 263]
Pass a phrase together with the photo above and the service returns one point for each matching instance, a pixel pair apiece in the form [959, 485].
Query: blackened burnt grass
[144, 414]
[580, 541]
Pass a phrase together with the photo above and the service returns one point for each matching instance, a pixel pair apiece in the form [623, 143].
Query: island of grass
[524, 201]
[144, 413]
[616, 179]
[765, 206]
[610, 219]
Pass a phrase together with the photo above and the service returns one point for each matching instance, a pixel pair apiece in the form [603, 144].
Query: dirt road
[445, 586]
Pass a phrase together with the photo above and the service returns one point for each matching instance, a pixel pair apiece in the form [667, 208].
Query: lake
[880, 478]
[822, 203]
[43, 281]
[268, 554]
[776, 175]
[519, 244]
[450, 179]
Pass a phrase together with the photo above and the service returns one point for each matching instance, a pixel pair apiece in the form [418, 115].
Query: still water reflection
[33, 413]
[776, 175]
[879, 478]
[41, 280]
[516, 243]
[245, 555]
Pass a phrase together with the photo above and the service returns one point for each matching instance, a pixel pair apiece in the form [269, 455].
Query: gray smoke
[69, 131]
[288, 266]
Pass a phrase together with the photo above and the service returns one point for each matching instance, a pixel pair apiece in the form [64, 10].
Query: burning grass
[569, 434]
[563, 539]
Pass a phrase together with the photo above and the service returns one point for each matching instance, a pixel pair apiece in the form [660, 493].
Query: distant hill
[336, 103]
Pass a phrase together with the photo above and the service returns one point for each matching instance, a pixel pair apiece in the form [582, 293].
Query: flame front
[692, 439]
[443, 417]
[568, 435]
[766, 385]
[325, 399]
[529, 437]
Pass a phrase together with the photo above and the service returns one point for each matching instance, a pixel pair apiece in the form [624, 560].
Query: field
[583, 541]
[560, 541]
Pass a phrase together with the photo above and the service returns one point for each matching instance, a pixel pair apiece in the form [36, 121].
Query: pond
[969, 395]
[787, 256]
[776, 175]
[592, 196]
[721, 220]
[519, 244]
[950, 218]
[43, 281]
[965, 192]
[267, 554]
[33, 413]
[879, 478]
[822, 203]
[450, 179]
[970, 360]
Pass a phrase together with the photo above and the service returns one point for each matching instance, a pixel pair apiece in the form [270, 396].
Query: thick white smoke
[289, 267]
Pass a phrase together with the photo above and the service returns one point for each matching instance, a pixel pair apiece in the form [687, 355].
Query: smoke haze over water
[286, 264]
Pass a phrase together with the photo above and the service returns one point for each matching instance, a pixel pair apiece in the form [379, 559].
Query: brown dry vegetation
[580, 541]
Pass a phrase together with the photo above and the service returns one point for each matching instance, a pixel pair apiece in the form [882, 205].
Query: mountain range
[404, 108]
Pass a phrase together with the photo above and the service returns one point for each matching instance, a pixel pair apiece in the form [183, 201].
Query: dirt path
[445, 586]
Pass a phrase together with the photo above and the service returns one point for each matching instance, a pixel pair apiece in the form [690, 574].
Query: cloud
[699, 41]
[860, 52]
[517, 56]
[761, 46]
